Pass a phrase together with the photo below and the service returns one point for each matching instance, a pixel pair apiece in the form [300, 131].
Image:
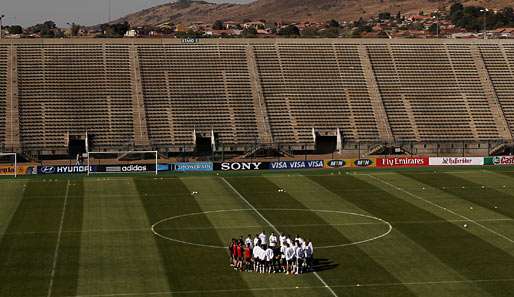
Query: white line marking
[58, 244]
[442, 207]
[259, 226]
[199, 292]
[274, 228]
[382, 222]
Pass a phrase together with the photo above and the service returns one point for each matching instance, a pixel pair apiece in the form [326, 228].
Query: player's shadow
[323, 264]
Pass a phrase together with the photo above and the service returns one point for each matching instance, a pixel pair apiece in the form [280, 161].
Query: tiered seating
[469, 84]
[73, 89]
[3, 91]
[500, 66]
[200, 88]
[431, 94]
[316, 86]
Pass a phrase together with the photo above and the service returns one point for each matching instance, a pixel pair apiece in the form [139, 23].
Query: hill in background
[188, 11]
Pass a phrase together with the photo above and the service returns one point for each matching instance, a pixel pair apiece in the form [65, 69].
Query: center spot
[205, 229]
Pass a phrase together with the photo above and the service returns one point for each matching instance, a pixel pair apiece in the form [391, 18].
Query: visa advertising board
[289, 165]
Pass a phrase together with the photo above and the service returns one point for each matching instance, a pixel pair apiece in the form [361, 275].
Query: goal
[122, 162]
[8, 164]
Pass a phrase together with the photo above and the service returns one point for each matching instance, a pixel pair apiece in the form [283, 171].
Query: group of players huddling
[271, 254]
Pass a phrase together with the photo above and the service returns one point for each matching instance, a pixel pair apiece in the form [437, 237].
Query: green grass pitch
[376, 233]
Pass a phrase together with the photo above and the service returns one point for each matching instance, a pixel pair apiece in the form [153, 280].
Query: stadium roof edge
[256, 41]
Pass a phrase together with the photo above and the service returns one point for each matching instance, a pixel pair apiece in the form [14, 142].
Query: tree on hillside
[75, 29]
[218, 25]
[115, 30]
[15, 29]
[289, 31]
[384, 16]
[250, 32]
[333, 24]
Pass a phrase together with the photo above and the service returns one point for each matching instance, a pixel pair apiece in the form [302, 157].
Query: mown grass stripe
[187, 267]
[487, 197]
[26, 260]
[355, 266]
[469, 255]
[68, 266]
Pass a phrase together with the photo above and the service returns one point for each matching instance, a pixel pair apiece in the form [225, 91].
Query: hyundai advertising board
[76, 169]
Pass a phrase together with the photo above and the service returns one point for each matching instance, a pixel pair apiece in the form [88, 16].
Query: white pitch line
[259, 226]
[200, 292]
[442, 207]
[58, 245]
[274, 228]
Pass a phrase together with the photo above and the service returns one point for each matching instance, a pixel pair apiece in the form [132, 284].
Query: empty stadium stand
[237, 93]
[67, 90]
[194, 90]
[3, 93]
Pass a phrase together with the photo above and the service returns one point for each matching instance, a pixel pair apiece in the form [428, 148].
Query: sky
[84, 12]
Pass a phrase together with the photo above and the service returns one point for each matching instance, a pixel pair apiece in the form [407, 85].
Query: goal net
[122, 162]
[8, 164]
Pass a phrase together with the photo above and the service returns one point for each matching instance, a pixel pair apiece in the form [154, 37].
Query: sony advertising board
[194, 166]
[395, 162]
[457, 161]
[76, 169]
[241, 166]
[288, 165]
[20, 170]
[499, 161]
[350, 163]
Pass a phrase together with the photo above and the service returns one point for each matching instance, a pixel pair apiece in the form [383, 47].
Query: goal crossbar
[119, 153]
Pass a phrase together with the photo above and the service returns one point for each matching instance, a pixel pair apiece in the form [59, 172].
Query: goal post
[122, 162]
[9, 164]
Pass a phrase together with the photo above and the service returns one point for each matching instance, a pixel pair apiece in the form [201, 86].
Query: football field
[399, 233]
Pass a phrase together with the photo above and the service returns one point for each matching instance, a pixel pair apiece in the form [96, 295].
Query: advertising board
[456, 161]
[350, 163]
[20, 170]
[395, 162]
[194, 167]
[241, 166]
[129, 168]
[76, 169]
[288, 165]
[500, 160]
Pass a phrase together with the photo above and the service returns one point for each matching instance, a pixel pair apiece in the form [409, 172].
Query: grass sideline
[91, 236]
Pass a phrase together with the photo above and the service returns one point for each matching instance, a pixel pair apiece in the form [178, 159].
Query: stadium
[128, 165]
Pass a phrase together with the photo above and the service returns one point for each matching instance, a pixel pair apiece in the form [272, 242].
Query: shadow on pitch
[323, 264]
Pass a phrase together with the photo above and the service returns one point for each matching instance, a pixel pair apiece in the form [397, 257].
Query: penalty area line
[274, 228]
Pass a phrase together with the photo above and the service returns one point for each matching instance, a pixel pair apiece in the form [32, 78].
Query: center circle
[362, 220]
